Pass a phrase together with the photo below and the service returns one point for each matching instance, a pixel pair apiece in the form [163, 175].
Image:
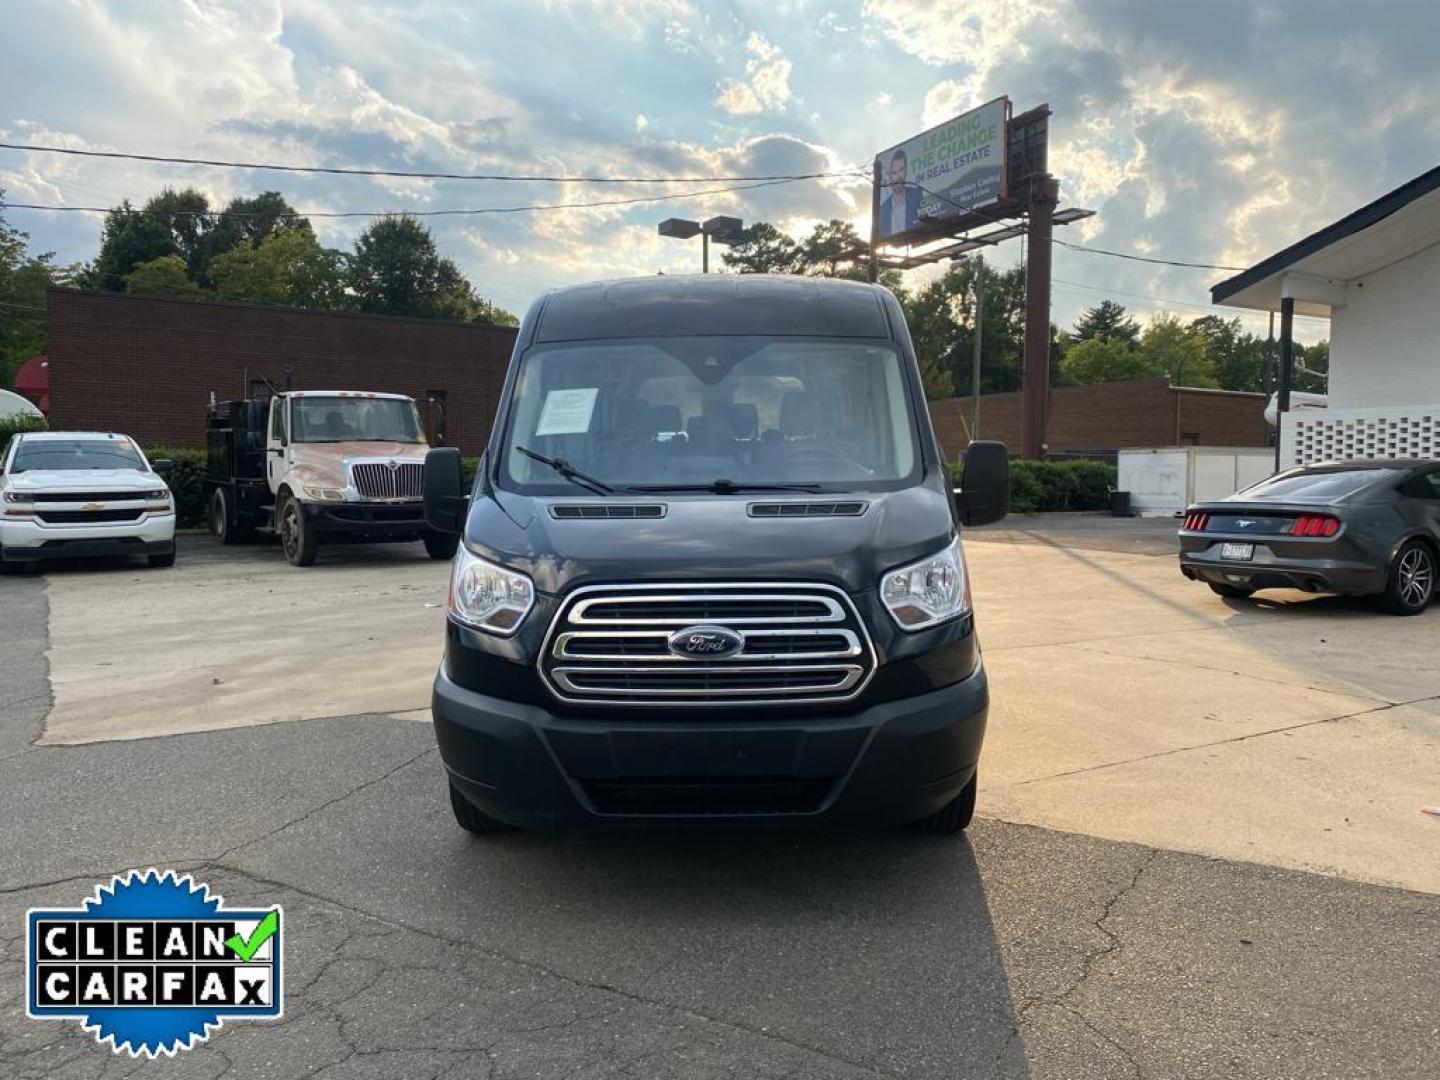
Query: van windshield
[742, 411]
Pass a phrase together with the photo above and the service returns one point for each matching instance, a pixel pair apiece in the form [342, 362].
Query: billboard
[941, 174]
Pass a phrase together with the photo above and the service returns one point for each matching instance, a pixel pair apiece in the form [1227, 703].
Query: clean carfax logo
[152, 963]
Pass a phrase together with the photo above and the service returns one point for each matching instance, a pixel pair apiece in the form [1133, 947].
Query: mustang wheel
[1411, 582]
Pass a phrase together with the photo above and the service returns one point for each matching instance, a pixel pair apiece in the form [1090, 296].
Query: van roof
[714, 304]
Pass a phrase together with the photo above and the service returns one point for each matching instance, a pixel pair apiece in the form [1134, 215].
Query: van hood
[711, 537]
[61, 480]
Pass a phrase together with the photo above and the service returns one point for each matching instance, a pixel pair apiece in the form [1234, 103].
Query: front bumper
[893, 762]
[368, 522]
[27, 541]
[1271, 570]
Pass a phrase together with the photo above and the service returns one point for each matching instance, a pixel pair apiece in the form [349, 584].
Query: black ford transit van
[711, 568]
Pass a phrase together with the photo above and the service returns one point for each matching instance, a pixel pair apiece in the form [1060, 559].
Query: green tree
[1107, 319]
[128, 238]
[165, 276]
[286, 267]
[397, 270]
[1103, 359]
[762, 249]
[23, 280]
[1177, 351]
[833, 249]
[247, 223]
[1312, 367]
[1239, 358]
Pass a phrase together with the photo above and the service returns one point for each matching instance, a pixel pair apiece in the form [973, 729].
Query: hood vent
[570, 511]
[807, 509]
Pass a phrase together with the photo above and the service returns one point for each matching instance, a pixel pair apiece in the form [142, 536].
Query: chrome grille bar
[609, 645]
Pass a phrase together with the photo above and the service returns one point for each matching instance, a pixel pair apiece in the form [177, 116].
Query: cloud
[766, 86]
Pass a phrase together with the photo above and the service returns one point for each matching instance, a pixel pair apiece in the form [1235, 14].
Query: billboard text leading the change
[944, 172]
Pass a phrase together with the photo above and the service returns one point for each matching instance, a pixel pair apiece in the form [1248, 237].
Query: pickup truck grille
[88, 517]
[388, 480]
[609, 645]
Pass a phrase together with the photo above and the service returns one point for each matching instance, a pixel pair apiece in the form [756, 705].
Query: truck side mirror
[984, 495]
[162, 467]
[444, 490]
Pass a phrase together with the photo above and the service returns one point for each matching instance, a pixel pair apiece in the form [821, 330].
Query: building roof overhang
[1315, 270]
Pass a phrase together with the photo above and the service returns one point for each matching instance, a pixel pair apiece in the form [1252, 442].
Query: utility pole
[975, 362]
[1044, 194]
[704, 253]
[873, 269]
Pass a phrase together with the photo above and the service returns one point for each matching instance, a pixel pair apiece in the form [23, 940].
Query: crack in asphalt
[1386, 707]
[552, 973]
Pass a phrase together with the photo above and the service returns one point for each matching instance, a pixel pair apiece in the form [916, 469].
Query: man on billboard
[900, 207]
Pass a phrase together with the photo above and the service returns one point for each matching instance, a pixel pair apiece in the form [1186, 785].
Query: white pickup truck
[73, 494]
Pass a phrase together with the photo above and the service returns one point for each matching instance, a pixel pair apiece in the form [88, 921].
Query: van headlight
[488, 597]
[929, 591]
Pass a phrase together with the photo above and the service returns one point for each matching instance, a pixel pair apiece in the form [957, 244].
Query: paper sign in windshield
[567, 412]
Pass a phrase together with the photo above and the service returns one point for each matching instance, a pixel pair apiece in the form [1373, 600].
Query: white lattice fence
[1339, 434]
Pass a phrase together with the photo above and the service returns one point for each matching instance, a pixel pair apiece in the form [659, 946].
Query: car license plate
[1237, 552]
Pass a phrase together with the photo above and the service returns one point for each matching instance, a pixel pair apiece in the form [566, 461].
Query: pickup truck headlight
[929, 591]
[488, 597]
[19, 497]
[159, 495]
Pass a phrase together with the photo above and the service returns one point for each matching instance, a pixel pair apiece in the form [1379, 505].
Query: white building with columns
[1375, 274]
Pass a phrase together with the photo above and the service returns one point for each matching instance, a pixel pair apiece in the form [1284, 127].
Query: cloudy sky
[1207, 132]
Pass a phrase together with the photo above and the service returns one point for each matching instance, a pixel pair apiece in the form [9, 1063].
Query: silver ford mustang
[1362, 528]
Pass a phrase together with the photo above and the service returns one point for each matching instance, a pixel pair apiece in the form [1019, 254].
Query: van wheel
[471, 819]
[223, 524]
[299, 538]
[1230, 592]
[954, 816]
[1410, 585]
[441, 545]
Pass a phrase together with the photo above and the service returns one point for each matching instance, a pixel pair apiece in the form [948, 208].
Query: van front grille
[610, 645]
[388, 479]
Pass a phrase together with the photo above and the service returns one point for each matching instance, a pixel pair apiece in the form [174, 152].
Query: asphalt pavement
[415, 950]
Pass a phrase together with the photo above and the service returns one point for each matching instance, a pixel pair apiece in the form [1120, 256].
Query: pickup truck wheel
[1230, 592]
[471, 819]
[159, 561]
[8, 567]
[298, 537]
[223, 525]
[955, 815]
[441, 545]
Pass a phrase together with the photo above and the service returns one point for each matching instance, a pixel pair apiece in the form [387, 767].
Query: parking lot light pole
[723, 230]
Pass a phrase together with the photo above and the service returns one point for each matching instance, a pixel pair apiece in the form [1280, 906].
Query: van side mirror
[984, 495]
[162, 467]
[444, 490]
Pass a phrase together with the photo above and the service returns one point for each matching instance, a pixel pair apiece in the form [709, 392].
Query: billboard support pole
[975, 363]
[873, 270]
[1044, 195]
[704, 252]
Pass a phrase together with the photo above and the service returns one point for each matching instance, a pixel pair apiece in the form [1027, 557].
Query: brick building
[1105, 417]
[146, 365]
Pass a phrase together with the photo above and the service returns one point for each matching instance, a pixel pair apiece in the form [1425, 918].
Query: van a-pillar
[1035, 398]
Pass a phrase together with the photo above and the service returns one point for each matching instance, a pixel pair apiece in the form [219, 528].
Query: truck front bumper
[368, 522]
[29, 541]
[893, 762]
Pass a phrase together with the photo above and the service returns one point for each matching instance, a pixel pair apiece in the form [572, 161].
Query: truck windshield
[73, 455]
[716, 411]
[354, 419]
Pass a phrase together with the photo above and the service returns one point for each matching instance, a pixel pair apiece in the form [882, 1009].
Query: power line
[414, 174]
[1157, 299]
[997, 220]
[298, 214]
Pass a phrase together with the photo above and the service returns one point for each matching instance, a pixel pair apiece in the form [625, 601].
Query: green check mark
[244, 948]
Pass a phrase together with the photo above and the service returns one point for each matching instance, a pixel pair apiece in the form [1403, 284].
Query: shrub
[185, 482]
[14, 425]
[1039, 486]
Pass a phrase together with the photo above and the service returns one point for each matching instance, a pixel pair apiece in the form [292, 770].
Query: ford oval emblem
[706, 643]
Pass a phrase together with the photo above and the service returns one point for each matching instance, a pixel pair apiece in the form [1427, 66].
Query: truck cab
[711, 568]
[315, 467]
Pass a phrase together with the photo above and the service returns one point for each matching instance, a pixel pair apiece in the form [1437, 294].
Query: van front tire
[956, 815]
[471, 819]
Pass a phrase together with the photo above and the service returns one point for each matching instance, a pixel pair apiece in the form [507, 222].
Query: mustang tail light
[1314, 525]
[1195, 521]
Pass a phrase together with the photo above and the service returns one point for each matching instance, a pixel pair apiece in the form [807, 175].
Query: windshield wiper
[569, 472]
[724, 487]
